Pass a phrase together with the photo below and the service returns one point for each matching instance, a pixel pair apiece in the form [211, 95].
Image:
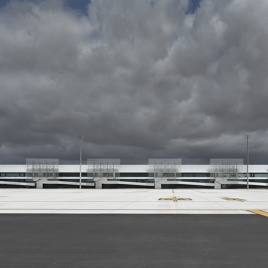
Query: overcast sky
[139, 79]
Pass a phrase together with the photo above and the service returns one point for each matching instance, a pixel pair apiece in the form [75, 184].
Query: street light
[247, 137]
[80, 138]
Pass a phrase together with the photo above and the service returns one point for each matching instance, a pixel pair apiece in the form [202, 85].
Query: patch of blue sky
[80, 6]
[193, 6]
[4, 3]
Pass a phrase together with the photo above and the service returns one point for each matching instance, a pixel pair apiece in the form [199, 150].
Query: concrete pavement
[133, 201]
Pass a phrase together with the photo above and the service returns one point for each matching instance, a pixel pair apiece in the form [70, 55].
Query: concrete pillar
[157, 184]
[98, 184]
[217, 184]
[39, 184]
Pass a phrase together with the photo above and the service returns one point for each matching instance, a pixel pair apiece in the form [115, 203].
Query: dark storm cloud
[140, 79]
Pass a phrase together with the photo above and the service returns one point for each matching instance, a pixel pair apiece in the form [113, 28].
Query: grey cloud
[140, 79]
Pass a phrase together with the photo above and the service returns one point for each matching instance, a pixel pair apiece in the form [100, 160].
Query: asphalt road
[64, 240]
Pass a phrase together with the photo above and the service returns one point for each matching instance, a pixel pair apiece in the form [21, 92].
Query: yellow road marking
[147, 209]
[263, 213]
[175, 199]
[234, 199]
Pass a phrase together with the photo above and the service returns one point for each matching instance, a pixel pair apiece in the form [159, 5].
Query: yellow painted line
[234, 199]
[263, 213]
[93, 209]
[175, 199]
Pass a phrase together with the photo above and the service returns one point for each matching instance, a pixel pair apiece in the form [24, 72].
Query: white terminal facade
[109, 173]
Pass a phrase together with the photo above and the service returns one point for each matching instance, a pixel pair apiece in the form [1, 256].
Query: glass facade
[12, 174]
[129, 174]
[139, 178]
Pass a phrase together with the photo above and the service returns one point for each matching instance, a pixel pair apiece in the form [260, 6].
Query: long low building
[158, 173]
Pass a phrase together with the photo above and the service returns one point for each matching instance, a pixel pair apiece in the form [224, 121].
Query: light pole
[80, 138]
[247, 137]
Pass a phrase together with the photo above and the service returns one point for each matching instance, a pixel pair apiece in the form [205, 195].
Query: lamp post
[247, 137]
[80, 138]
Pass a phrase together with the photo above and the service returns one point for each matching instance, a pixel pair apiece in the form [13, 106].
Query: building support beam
[98, 184]
[157, 184]
[39, 184]
[217, 185]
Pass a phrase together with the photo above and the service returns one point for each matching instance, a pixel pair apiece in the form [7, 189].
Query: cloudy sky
[139, 79]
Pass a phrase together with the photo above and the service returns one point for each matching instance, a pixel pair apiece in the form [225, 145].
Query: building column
[98, 184]
[39, 184]
[157, 184]
[217, 184]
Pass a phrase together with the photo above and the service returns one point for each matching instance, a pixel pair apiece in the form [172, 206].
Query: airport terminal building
[157, 173]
